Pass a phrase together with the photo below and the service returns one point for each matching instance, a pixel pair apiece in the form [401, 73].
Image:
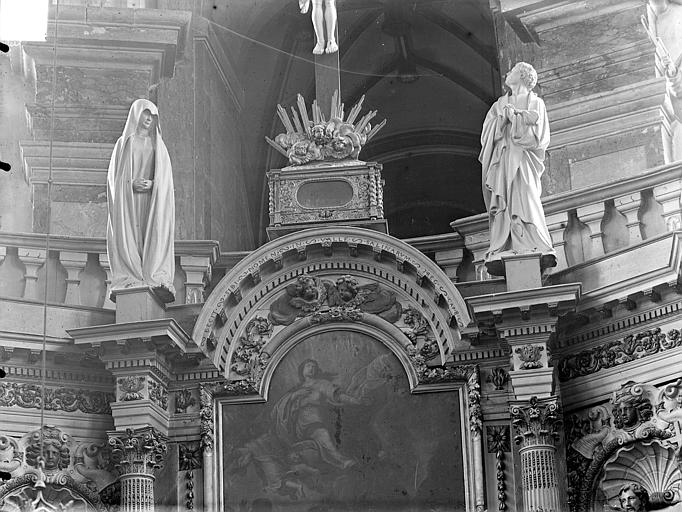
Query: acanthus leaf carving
[29, 396]
[609, 355]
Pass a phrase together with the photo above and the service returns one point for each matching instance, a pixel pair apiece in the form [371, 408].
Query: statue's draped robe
[140, 230]
[512, 157]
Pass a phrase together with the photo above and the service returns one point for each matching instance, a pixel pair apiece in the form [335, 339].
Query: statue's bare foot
[332, 47]
[319, 48]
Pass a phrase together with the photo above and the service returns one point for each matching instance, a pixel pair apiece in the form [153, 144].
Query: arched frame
[266, 272]
[464, 380]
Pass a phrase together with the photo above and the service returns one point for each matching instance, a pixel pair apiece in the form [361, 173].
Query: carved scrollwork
[248, 360]
[612, 354]
[29, 396]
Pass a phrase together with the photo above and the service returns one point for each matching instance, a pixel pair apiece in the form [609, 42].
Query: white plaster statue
[514, 138]
[140, 231]
[324, 13]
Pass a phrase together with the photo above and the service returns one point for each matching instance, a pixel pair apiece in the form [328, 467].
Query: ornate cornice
[29, 396]
[609, 355]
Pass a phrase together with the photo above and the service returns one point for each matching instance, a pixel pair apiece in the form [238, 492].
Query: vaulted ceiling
[428, 66]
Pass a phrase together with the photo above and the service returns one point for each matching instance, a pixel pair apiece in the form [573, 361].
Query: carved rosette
[138, 451]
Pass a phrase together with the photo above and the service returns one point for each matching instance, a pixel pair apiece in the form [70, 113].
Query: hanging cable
[43, 368]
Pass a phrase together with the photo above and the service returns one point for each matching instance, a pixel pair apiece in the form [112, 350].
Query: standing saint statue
[140, 230]
[322, 17]
[514, 139]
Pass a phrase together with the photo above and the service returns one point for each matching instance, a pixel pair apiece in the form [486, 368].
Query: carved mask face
[629, 501]
[51, 454]
[628, 413]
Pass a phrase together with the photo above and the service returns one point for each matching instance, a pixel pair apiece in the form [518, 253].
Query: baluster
[629, 206]
[556, 224]
[592, 216]
[104, 263]
[74, 263]
[668, 196]
[33, 260]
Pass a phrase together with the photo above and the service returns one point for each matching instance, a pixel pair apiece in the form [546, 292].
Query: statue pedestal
[522, 271]
[137, 304]
[348, 193]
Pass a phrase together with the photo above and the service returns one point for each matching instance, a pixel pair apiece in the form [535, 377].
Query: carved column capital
[536, 422]
[138, 451]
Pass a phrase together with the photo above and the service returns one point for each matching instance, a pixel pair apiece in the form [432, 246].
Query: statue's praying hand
[324, 16]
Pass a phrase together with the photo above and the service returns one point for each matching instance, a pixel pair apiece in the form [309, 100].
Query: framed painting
[341, 431]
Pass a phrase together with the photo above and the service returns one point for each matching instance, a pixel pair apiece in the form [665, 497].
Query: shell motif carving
[649, 464]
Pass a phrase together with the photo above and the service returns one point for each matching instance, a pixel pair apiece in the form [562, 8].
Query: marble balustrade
[75, 270]
[585, 224]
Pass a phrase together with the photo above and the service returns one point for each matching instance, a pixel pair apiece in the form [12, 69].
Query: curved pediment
[331, 274]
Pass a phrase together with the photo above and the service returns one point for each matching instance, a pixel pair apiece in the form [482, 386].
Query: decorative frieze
[30, 396]
[609, 355]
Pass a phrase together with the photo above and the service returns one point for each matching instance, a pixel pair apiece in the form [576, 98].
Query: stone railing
[584, 224]
[76, 270]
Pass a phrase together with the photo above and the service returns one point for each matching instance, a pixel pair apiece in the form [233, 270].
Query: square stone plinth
[137, 304]
[522, 271]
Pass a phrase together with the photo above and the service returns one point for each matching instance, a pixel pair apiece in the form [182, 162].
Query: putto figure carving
[140, 231]
[514, 139]
[321, 17]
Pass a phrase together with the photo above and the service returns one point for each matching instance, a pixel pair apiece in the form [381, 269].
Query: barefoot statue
[321, 17]
[514, 138]
[141, 204]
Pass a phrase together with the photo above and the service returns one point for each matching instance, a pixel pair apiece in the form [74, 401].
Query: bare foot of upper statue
[319, 48]
[332, 47]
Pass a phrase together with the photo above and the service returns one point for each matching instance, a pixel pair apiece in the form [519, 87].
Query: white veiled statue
[514, 138]
[140, 230]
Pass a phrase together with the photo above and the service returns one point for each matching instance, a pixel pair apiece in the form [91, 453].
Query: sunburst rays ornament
[318, 139]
